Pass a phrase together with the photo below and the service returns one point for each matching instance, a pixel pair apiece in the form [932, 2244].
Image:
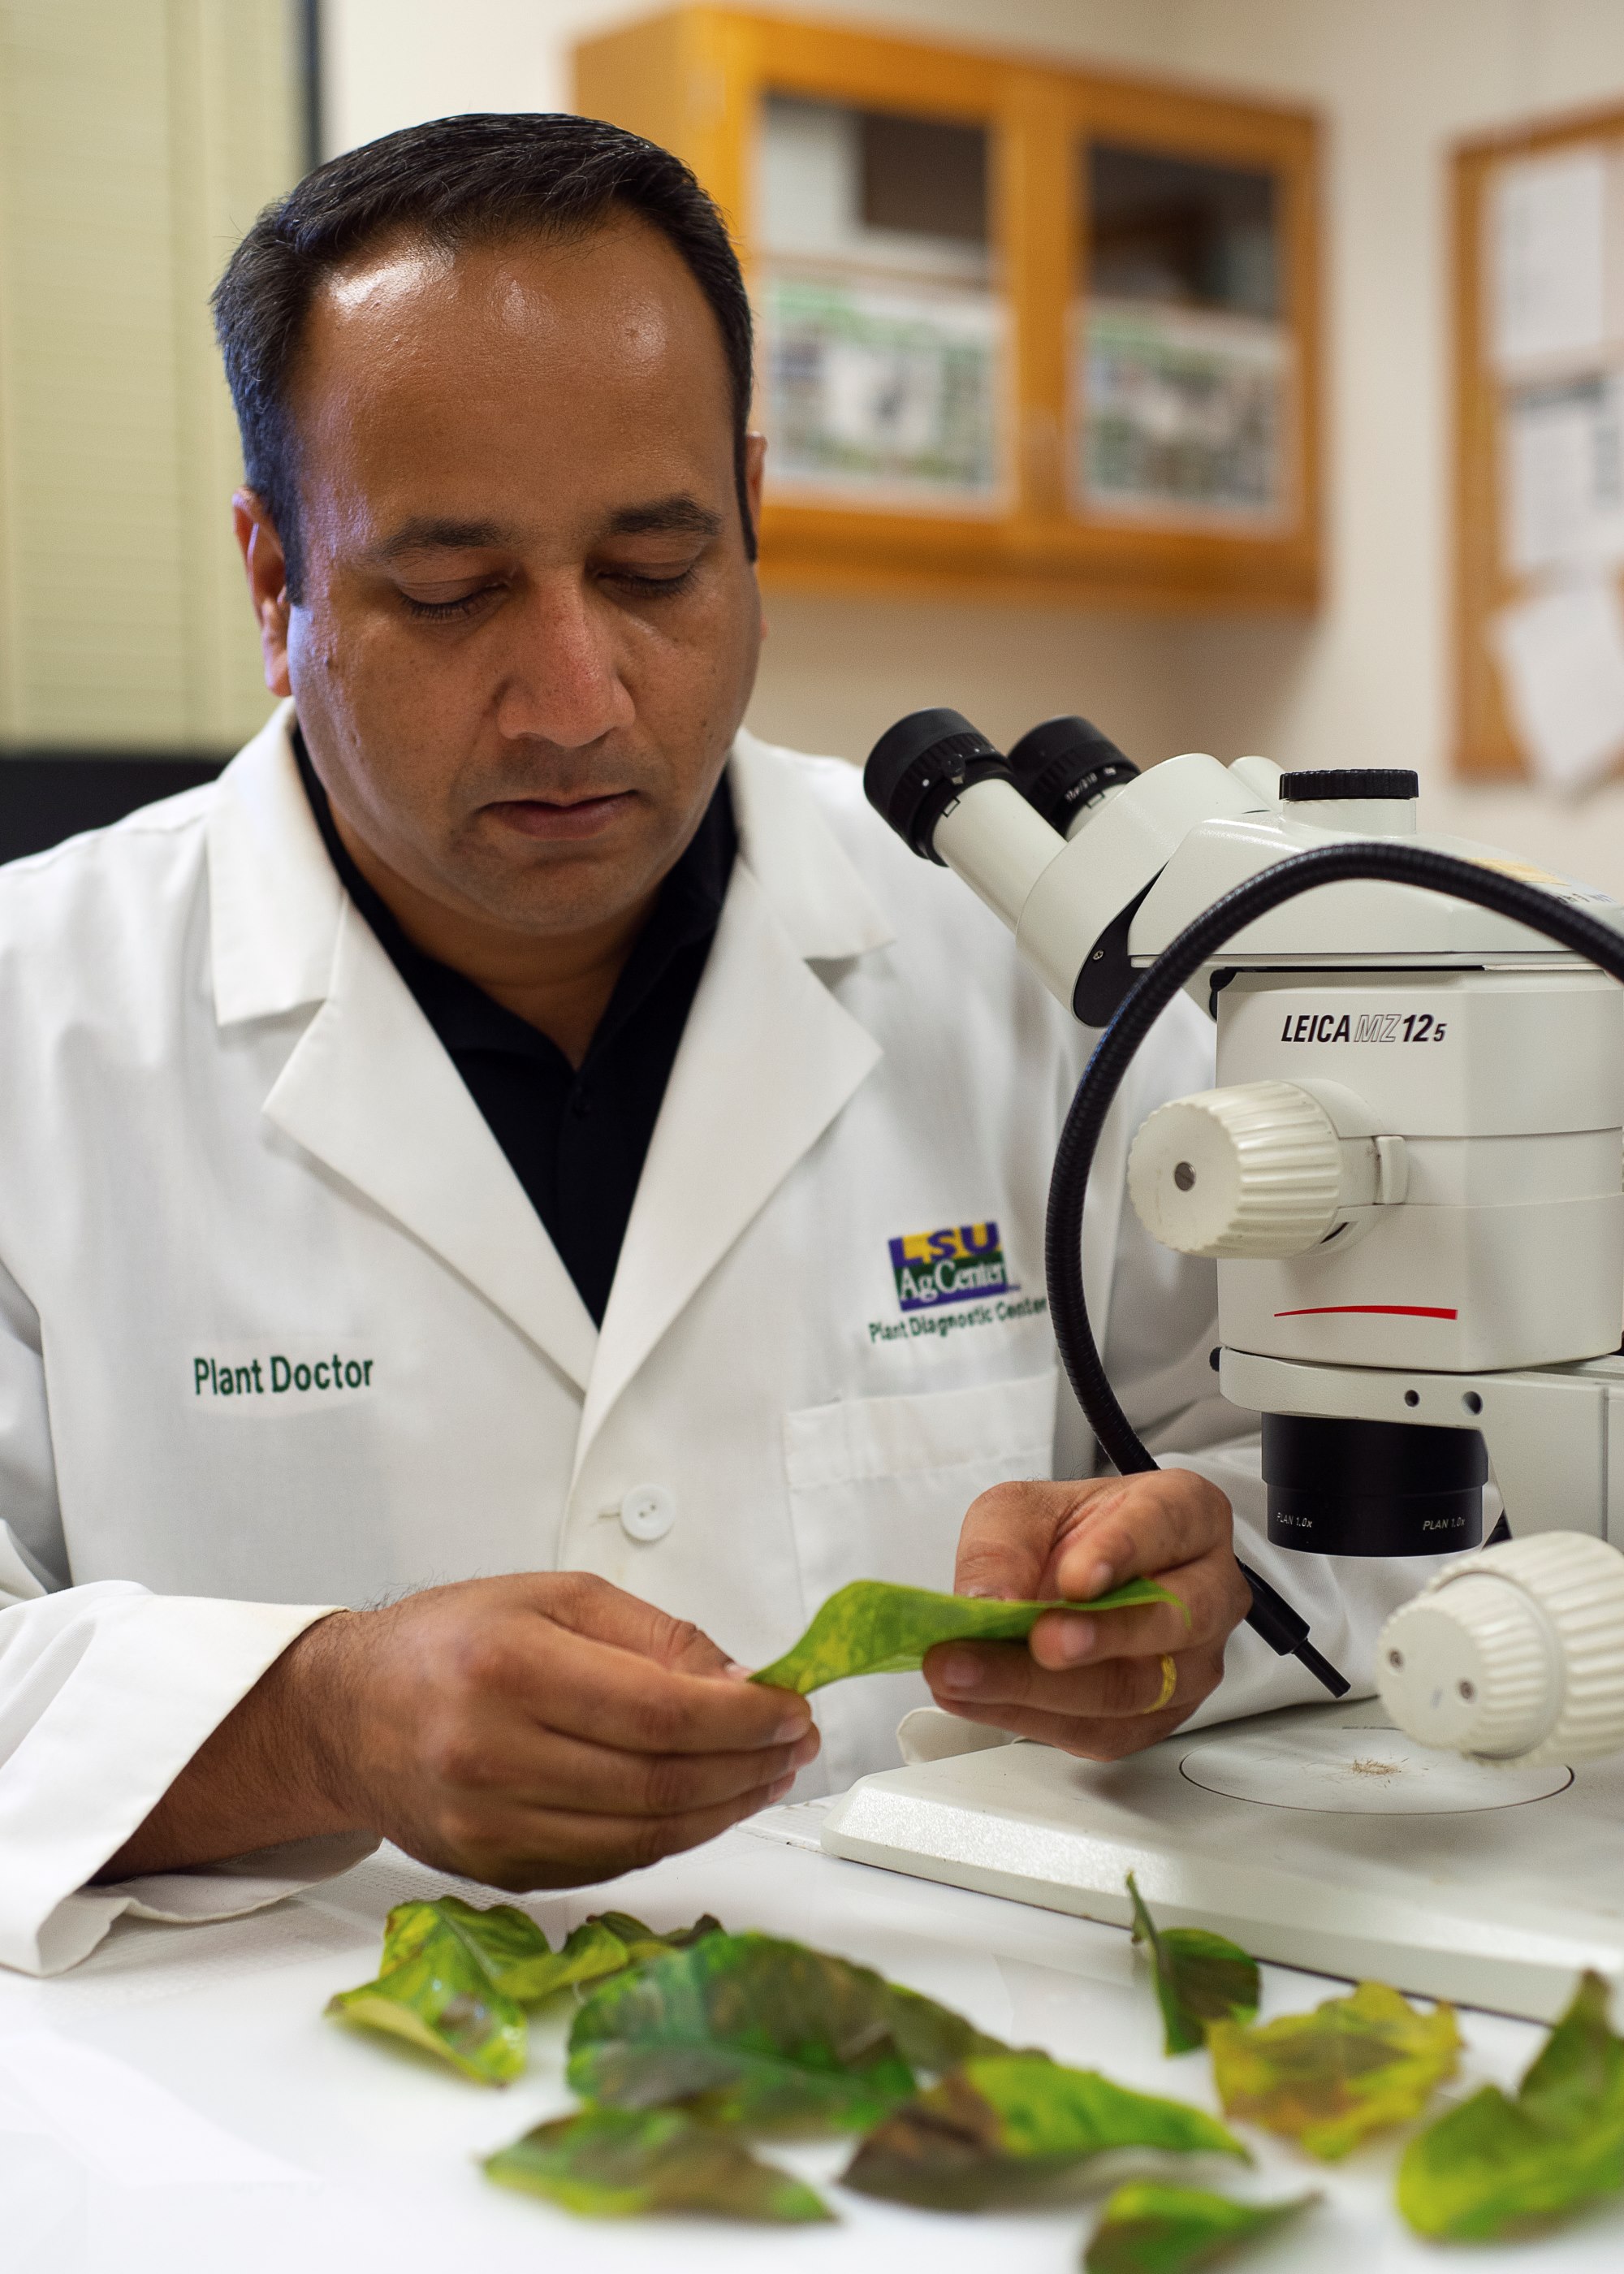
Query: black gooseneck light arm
[1383, 860]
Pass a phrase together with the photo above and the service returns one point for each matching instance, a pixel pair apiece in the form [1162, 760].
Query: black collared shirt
[577, 1140]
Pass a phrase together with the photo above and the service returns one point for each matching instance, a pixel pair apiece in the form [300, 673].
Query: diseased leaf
[1200, 1978]
[1354, 2066]
[506, 1939]
[440, 1995]
[605, 1944]
[455, 1979]
[621, 2162]
[1496, 2167]
[1018, 2127]
[1147, 2228]
[872, 1627]
[743, 2029]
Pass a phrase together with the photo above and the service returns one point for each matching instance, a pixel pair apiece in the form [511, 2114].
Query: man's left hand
[1098, 1686]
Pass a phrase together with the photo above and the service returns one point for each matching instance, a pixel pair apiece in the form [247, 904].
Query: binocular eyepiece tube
[996, 821]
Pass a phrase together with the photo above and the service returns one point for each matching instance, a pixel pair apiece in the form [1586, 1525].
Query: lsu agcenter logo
[959, 1264]
[950, 1280]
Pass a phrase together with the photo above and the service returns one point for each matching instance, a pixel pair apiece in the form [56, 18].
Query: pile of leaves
[687, 2046]
[690, 2045]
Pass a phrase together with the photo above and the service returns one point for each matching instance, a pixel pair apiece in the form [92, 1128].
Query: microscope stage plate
[1319, 1838]
[1359, 1773]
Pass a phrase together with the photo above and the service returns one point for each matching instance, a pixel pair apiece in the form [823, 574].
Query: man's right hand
[545, 1730]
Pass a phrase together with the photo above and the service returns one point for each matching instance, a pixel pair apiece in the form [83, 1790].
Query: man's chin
[548, 888]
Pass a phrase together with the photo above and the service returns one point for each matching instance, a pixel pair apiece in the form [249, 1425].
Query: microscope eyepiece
[920, 766]
[1065, 764]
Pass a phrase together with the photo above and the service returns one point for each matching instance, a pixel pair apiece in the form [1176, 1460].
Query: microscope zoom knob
[1513, 1654]
[1252, 1170]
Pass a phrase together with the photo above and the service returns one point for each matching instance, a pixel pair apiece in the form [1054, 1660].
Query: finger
[1140, 1526]
[542, 1769]
[991, 1678]
[612, 1697]
[600, 1611]
[1109, 1740]
[1210, 1600]
[1007, 1541]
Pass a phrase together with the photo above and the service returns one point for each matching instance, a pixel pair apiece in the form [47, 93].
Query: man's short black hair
[475, 179]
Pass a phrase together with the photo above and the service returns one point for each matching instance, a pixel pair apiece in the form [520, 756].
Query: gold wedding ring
[1170, 1684]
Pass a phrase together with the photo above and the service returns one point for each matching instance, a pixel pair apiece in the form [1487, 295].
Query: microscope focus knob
[1255, 1169]
[1515, 1654]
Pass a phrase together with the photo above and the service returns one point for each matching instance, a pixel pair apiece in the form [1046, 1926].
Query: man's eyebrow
[436, 533]
[678, 516]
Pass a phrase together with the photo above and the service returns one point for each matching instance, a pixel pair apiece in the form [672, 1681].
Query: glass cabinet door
[885, 354]
[1182, 368]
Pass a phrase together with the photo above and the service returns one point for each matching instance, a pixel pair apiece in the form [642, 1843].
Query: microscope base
[1371, 1857]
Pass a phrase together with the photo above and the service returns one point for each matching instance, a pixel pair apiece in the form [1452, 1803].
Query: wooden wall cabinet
[1024, 329]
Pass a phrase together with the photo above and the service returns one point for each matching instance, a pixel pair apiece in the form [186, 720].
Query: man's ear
[755, 468]
[754, 465]
[267, 584]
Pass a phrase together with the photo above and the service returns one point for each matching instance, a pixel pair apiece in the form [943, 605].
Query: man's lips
[561, 819]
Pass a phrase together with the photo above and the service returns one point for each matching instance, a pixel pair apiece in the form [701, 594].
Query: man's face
[528, 628]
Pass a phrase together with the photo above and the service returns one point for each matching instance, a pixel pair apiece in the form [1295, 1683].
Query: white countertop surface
[179, 2102]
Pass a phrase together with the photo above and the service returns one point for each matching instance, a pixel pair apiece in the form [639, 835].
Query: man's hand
[1093, 1686]
[541, 1731]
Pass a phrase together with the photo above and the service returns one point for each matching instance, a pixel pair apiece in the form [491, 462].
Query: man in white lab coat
[475, 1161]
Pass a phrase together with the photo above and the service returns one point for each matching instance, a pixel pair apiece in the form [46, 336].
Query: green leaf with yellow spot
[1147, 2228]
[1329, 2078]
[622, 2163]
[1019, 2127]
[872, 1627]
[1498, 2166]
[440, 1991]
[744, 2029]
[1200, 1978]
[456, 1979]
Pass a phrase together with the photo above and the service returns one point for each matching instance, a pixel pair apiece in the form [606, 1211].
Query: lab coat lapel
[368, 1090]
[768, 1059]
[371, 1091]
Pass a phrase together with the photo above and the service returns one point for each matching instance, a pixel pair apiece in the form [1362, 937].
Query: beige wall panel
[130, 130]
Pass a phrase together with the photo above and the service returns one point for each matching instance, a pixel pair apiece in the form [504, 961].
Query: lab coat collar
[368, 1092]
[274, 899]
[820, 900]
[368, 1089]
[371, 1093]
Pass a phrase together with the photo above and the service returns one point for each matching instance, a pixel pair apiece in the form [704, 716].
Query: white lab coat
[279, 1330]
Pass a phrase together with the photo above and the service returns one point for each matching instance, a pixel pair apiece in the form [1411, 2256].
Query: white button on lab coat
[279, 1329]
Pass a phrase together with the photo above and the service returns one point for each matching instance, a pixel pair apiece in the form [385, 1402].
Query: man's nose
[563, 684]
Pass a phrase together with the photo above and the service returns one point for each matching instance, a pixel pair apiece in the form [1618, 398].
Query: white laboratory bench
[179, 2102]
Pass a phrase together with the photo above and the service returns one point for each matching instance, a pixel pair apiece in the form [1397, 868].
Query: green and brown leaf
[1495, 2166]
[1354, 2066]
[618, 2162]
[1147, 2228]
[1019, 2128]
[1200, 1978]
[439, 1989]
[872, 1627]
[743, 2029]
[456, 1979]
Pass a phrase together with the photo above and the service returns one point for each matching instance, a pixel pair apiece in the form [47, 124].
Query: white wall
[1367, 680]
